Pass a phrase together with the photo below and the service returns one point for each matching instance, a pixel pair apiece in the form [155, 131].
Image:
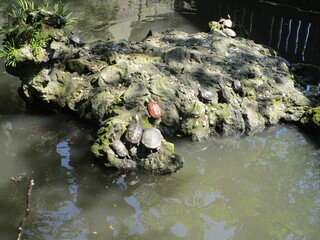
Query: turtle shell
[119, 148]
[227, 23]
[152, 138]
[224, 95]
[134, 133]
[154, 110]
[229, 32]
[206, 95]
[237, 85]
[75, 40]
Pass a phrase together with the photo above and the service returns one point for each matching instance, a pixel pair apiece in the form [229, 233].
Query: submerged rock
[244, 88]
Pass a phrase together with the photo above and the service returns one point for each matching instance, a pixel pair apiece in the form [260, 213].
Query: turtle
[206, 95]
[75, 40]
[134, 133]
[224, 95]
[237, 85]
[229, 32]
[226, 23]
[120, 149]
[154, 110]
[152, 138]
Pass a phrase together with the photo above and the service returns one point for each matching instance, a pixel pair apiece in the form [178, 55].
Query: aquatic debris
[28, 207]
[111, 228]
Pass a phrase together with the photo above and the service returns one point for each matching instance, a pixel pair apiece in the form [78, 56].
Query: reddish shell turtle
[154, 110]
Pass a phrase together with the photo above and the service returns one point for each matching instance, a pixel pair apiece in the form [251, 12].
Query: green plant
[37, 41]
[18, 11]
[242, 31]
[31, 33]
[26, 5]
[62, 10]
[9, 52]
[45, 6]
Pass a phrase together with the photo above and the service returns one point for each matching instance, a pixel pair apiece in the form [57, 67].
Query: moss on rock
[311, 119]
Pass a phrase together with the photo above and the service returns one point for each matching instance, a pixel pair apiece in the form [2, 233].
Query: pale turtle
[229, 32]
[152, 138]
[120, 149]
[237, 85]
[206, 95]
[227, 23]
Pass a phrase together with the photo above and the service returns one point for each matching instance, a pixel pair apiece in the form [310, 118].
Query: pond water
[294, 31]
[264, 186]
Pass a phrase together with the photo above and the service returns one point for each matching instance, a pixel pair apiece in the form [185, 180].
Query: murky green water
[264, 186]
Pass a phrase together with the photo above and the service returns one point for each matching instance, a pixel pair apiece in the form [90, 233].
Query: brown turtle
[120, 149]
[224, 95]
[134, 133]
[237, 85]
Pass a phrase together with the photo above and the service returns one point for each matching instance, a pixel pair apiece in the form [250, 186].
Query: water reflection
[259, 187]
[290, 29]
[231, 199]
[62, 219]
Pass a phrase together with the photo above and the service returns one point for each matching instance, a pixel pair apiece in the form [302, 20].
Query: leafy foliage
[9, 52]
[62, 10]
[242, 31]
[39, 41]
[18, 11]
[26, 32]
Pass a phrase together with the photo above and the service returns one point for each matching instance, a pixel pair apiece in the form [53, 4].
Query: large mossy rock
[109, 82]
